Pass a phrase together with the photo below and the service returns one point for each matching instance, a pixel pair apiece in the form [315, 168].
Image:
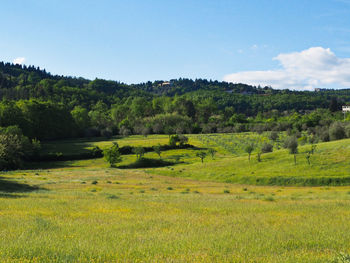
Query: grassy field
[84, 211]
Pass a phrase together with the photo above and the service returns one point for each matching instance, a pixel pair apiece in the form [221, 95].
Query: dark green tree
[112, 155]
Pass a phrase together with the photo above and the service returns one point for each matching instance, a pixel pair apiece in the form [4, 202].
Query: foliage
[112, 155]
[336, 131]
[267, 148]
[15, 147]
[139, 151]
[158, 150]
[249, 148]
[178, 139]
[201, 155]
[292, 144]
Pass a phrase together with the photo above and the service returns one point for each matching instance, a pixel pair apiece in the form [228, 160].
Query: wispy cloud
[305, 70]
[19, 60]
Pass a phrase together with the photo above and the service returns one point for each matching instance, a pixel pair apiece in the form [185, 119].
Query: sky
[296, 44]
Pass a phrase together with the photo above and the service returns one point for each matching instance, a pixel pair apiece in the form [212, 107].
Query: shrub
[267, 148]
[292, 144]
[181, 139]
[347, 130]
[336, 131]
[273, 136]
[96, 151]
[139, 151]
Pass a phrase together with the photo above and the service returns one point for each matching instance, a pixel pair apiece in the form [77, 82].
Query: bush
[336, 131]
[14, 147]
[273, 136]
[181, 139]
[347, 130]
[322, 133]
[267, 148]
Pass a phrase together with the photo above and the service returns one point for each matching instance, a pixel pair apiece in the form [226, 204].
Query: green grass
[330, 165]
[84, 211]
[130, 216]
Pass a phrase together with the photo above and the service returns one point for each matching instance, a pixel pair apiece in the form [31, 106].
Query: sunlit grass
[85, 211]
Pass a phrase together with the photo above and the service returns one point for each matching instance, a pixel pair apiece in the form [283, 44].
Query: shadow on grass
[7, 195]
[147, 163]
[7, 186]
[50, 165]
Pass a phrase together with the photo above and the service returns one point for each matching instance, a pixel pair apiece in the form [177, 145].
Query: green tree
[307, 156]
[249, 149]
[292, 144]
[201, 155]
[81, 117]
[157, 149]
[112, 155]
[336, 131]
[139, 151]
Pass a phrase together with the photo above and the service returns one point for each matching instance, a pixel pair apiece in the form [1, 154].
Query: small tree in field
[112, 155]
[212, 152]
[201, 155]
[258, 156]
[308, 155]
[292, 144]
[313, 148]
[157, 150]
[249, 149]
[139, 151]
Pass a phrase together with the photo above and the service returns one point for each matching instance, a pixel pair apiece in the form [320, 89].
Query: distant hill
[27, 82]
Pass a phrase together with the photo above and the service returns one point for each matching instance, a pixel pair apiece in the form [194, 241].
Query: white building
[346, 108]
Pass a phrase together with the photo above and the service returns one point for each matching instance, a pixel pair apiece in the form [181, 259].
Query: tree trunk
[295, 159]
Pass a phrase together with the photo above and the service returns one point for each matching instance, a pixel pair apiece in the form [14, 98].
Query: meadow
[85, 211]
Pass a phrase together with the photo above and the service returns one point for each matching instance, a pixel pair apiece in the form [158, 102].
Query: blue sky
[253, 41]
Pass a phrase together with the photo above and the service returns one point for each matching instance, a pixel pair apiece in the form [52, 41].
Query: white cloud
[305, 70]
[19, 60]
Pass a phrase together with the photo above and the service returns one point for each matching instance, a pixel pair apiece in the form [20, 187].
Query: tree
[212, 152]
[15, 147]
[308, 155]
[112, 155]
[157, 150]
[81, 117]
[273, 136]
[336, 131]
[139, 151]
[258, 156]
[182, 139]
[11, 151]
[313, 148]
[292, 144]
[178, 138]
[201, 155]
[249, 149]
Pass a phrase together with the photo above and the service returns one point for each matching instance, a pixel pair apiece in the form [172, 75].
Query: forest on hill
[45, 106]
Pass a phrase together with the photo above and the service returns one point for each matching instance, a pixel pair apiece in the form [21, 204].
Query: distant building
[165, 84]
[346, 108]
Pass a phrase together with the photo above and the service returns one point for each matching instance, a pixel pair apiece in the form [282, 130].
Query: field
[84, 211]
